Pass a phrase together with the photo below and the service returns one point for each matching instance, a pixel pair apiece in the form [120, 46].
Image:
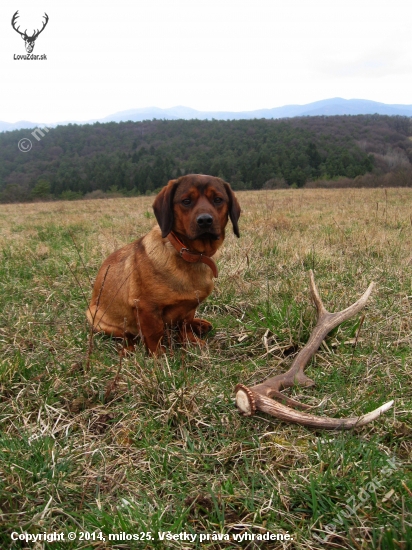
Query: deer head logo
[28, 40]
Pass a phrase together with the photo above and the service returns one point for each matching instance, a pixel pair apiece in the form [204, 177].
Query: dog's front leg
[151, 328]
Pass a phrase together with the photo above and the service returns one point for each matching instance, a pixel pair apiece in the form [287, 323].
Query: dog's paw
[200, 327]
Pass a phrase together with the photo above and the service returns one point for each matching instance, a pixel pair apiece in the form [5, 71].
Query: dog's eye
[186, 201]
[218, 200]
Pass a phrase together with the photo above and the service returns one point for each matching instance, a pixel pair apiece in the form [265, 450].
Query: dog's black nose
[204, 221]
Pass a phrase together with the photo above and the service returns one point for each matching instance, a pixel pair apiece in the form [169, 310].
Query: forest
[135, 158]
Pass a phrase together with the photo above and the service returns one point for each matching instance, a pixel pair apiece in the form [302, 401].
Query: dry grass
[160, 447]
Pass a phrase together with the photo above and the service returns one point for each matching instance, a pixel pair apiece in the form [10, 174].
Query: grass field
[98, 444]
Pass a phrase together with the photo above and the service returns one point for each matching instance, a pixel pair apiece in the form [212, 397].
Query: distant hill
[325, 107]
[10, 126]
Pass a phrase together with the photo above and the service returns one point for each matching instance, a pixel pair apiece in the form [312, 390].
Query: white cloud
[374, 66]
[210, 55]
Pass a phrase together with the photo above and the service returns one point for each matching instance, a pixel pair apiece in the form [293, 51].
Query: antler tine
[13, 22]
[315, 295]
[272, 407]
[258, 397]
[36, 34]
[344, 314]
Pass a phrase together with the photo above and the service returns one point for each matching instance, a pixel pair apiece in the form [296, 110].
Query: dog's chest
[194, 282]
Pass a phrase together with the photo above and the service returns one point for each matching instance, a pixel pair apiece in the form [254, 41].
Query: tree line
[133, 158]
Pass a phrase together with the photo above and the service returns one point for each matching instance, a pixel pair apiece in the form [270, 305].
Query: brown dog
[157, 282]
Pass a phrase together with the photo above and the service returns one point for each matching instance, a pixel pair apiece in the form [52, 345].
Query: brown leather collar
[192, 257]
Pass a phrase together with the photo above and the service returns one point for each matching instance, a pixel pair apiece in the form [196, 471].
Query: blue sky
[104, 57]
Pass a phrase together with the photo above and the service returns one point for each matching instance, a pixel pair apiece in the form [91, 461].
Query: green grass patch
[92, 443]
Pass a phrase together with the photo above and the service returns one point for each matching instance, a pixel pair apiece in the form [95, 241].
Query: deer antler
[249, 400]
[13, 22]
[35, 35]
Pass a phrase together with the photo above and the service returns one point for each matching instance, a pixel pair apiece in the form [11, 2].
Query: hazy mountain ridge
[325, 107]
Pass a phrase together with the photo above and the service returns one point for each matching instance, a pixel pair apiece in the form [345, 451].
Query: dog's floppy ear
[163, 207]
[234, 209]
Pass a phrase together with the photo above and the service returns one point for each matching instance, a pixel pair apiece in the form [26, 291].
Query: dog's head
[197, 207]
